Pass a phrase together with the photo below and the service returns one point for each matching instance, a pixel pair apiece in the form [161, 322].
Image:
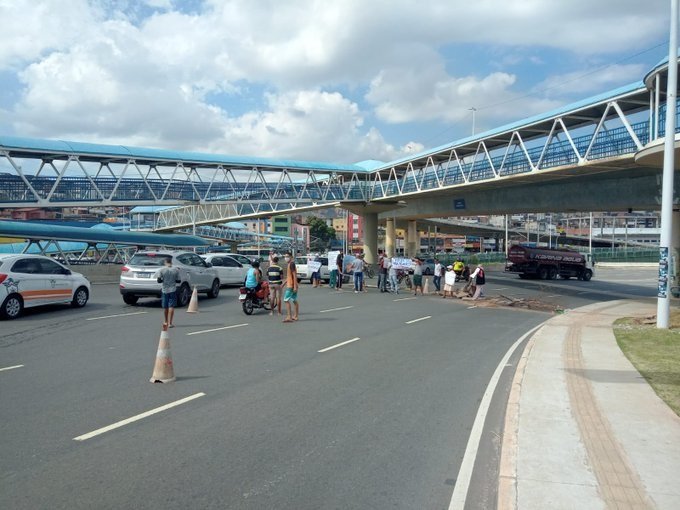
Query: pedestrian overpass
[591, 144]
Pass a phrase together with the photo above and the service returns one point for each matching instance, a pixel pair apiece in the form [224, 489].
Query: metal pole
[550, 231]
[506, 235]
[474, 111]
[590, 236]
[664, 303]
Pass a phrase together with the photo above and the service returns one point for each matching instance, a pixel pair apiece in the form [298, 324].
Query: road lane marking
[418, 320]
[339, 345]
[337, 309]
[138, 417]
[465, 472]
[502, 288]
[116, 315]
[216, 329]
[471, 307]
[553, 295]
[10, 368]
[404, 299]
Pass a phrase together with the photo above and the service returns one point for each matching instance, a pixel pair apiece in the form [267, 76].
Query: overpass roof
[37, 231]
[28, 147]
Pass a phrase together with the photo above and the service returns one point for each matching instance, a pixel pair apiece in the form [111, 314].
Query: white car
[33, 280]
[230, 270]
[303, 271]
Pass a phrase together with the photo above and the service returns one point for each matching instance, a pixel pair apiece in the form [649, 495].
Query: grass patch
[655, 353]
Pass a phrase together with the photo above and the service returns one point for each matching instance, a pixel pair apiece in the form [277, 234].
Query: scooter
[250, 299]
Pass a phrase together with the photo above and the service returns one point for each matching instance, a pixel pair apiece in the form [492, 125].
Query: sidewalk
[583, 429]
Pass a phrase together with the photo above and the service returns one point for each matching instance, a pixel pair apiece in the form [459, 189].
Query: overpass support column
[390, 236]
[412, 240]
[371, 237]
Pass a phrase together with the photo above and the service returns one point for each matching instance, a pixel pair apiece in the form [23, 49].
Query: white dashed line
[127, 421]
[418, 320]
[404, 299]
[216, 329]
[471, 307]
[339, 345]
[337, 309]
[502, 288]
[10, 368]
[116, 315]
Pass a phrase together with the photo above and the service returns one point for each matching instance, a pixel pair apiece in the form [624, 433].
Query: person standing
[437, 278]
[275, 277]
[382, 271]
[340, 264]
[168, 277]
[290, 295]
[358, 270]
[480, 280]
[418, 277]
[449, 281]
[316, 275]
[392, 273]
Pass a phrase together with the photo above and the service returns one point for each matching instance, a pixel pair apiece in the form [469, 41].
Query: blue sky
[338, 81]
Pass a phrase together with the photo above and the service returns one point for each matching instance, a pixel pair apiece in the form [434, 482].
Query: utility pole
[663, 309]
[474, 111]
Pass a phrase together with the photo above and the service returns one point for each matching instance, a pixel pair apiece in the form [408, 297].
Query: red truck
[548, 264]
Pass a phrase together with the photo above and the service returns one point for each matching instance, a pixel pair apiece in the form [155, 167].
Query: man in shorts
[275, 277]
[290, 294]
[169, 277]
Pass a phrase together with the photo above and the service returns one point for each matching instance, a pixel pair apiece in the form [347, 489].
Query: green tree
[321, 234]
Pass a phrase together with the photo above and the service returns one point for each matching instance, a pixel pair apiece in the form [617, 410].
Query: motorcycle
[463, 274]
[250, 299]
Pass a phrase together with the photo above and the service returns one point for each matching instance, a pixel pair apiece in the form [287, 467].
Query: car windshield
[148, 259]
[301, 260]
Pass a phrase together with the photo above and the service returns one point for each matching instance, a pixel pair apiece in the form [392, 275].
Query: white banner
[401, 263]
[450, 278]
[332, 257]
[313, 266]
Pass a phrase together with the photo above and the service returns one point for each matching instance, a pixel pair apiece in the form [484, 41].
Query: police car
[33, 280]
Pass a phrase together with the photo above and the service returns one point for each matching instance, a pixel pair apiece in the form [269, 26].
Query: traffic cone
[193, 303]
[426, 287]
[163, 369]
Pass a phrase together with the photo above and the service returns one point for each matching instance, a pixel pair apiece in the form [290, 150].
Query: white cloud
[591, 80]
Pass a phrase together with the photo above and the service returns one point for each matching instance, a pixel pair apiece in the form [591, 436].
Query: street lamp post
[474, 111]
[663, 303]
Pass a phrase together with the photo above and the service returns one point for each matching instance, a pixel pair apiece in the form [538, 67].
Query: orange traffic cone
[426, 287]
[193, 303]
[163, 369]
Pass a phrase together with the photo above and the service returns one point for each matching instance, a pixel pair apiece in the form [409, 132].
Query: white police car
[34, 280]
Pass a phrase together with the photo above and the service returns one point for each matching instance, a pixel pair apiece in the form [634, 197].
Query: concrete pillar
[390, 237]
[371, 237]
[412, 239]
[674, 269]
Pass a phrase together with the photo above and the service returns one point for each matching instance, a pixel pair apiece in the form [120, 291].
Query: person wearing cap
[437, 278]
[480, 280]
[449, 281]
[418, 276]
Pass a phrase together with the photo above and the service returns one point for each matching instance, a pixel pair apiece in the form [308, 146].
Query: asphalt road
[381, 422]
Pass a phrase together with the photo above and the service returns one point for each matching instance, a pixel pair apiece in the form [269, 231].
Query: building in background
[280, 225]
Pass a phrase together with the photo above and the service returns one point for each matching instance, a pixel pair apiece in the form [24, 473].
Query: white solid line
[339, 345]
[404, 298]
[465, 472]
[336, 309]
[10, 368]
[116, 315]
[418, 320]
[138, 417]
[216, 329]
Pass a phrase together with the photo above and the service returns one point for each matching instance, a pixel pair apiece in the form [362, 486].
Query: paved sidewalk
[583, 429]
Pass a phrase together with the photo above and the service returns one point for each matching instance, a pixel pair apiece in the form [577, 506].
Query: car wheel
[12, 307]
[80, 297]
[183, 295]
[587, 275]
[214, 290]
[130, 299]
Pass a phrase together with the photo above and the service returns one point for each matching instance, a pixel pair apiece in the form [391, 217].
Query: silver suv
[137, 276]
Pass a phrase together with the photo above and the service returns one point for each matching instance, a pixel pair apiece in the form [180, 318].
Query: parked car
[242, 259]
[303, 272]
[137, 276]
[229, 269]
[33, 280]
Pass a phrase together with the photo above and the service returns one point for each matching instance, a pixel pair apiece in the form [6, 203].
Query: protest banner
[402, 263]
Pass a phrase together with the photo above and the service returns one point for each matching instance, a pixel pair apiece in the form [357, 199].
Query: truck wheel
[543, 272]
[552, 273]
[587, 275]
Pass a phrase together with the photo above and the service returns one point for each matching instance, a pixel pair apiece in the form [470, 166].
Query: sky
[339, 81]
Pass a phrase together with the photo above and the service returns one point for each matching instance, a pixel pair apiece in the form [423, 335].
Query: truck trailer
[548, 263]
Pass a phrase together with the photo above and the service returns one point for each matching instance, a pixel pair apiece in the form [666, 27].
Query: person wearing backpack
[480, 280]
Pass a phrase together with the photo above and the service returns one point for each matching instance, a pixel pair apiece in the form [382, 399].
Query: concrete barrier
[105, 273]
